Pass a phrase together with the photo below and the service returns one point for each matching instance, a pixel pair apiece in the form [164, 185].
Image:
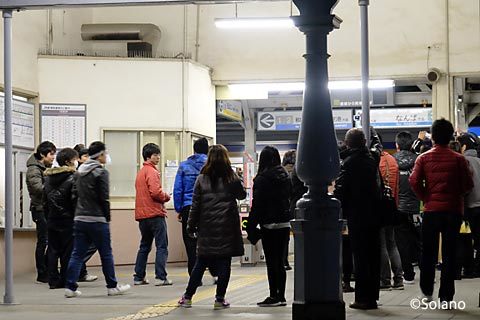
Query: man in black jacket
[59, 208]
[92, 218]
[358, 188]
[408, 206]
[43, 158]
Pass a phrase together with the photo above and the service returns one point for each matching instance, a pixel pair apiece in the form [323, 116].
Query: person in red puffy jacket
[440, 178]
[150, 213]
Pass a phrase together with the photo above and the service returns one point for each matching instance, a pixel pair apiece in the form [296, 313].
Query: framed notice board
[63, 124]
[22, 123]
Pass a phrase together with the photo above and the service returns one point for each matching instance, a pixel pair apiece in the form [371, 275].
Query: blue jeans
[150, 229]
[86, 233]
[223, 268]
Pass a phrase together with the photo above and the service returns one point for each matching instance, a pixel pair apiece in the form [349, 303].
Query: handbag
[388, 204]
[465, 228]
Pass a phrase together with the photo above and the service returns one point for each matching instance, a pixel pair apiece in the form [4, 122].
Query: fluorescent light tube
[254, 23]
[262, 89]
[357, 84]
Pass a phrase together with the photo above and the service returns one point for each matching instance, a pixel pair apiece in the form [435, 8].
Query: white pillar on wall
[441, 99]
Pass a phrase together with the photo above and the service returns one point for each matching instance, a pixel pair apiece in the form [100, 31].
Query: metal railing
[113, 54]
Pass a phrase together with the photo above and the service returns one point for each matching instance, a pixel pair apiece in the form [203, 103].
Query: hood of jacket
[88, 166]
[471, 153]
[349, 152]
[198, 160]
[32, 161]
[58, 175]
[405, 159]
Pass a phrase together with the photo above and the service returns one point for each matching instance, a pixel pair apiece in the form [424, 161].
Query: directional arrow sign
[267, 120]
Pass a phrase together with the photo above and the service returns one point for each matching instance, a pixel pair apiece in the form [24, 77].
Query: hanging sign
[291, 120]
[397, 118]
[230, 109]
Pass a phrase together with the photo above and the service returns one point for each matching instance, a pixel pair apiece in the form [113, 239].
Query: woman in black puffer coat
[215, 221]
[271, 210]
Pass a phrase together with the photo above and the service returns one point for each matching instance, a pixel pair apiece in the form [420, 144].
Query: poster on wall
[170, 173]
[63, 124]
[22, 123]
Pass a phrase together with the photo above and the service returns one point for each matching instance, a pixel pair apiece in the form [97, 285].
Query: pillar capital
[315, 7]
[316, 14]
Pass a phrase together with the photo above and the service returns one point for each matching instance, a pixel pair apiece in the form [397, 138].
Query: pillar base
[318, 311]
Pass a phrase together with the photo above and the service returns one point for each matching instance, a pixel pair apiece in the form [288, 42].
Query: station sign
[230, 109]
[291, 120]
[397, 118]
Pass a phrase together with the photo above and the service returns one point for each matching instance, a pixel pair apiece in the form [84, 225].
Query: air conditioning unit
[139, 49]
[142, 39]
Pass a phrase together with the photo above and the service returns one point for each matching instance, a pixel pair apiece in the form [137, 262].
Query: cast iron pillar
[317, 224]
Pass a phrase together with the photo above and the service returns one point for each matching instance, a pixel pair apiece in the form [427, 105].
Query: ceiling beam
[45, 4]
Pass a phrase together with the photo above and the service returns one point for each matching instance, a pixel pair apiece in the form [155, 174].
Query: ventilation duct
[141, 38]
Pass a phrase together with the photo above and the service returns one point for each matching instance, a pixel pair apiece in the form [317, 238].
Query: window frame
[185, 144]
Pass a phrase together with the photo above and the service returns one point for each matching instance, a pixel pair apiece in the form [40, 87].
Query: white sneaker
[120, 289]
[72, 294]
[408, 281]
[161, 283]
[88, 278]
[140, 282]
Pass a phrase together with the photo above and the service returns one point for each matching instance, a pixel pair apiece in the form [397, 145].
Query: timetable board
[23, 119]
[63, 124]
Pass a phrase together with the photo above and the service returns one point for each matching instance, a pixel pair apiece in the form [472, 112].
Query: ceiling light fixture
[261, 90]
[357, 84]
[254, 23]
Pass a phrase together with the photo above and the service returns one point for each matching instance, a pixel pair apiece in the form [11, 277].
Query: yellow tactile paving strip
[167, 307]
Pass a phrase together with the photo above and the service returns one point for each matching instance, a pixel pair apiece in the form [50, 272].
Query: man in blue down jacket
[183, 192]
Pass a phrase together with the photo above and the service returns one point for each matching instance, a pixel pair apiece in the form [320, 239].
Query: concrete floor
[247, 286]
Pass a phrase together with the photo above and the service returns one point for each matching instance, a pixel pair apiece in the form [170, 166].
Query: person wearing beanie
[183, 192]
[92, 221]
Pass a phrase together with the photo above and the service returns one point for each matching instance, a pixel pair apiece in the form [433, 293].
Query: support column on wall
[441, 99]
[250, 132]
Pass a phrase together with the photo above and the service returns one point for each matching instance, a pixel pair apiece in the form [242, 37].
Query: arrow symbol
[267, 120]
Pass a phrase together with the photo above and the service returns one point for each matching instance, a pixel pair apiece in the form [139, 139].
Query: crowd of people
[438, 176]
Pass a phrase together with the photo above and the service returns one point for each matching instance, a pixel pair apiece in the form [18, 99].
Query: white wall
[129, 93]
[400, 33]
[201, 114]
[30, 35]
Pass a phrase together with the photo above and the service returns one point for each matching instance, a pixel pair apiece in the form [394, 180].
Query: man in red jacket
[150, 213]
[440, 178]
